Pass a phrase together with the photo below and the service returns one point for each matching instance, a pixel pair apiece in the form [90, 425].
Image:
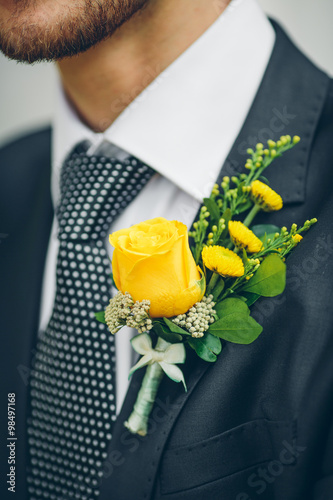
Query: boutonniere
[181, 298]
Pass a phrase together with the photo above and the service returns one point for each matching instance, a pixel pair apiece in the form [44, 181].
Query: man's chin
[31, 46]
[69, 28]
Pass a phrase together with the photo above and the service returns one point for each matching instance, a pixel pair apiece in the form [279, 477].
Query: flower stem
[212, 282]
[137, 422]
[218, 289]
[251, 215]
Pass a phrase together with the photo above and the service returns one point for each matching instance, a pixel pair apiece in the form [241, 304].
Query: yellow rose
[153, 261]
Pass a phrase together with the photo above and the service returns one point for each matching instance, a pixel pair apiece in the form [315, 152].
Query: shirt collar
[186, 121]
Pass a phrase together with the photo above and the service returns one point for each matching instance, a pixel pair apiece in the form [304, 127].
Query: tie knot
[95, 190]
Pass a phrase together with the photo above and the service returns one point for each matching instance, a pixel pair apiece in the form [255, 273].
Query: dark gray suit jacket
[257, 424]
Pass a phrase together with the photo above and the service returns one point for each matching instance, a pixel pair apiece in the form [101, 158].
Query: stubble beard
[32, 34]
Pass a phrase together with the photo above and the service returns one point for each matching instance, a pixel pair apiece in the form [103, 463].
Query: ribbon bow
[165, 354]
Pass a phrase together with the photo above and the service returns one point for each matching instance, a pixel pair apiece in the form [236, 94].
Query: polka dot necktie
[72, 384]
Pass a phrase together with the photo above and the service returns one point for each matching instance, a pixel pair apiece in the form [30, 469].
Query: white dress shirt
[183, 125]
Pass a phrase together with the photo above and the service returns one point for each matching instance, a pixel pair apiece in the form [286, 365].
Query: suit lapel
[132, 464]
[289, 101]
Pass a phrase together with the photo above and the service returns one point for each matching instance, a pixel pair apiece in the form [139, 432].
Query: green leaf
[245, 206]
[231, 306]
[261, 229]
[207, 347]
[174, 328]
[213, 209]
[250, 298]
[240, 188]
[244, 257]
[264, 179]
[227, 216]
[240, 297]
[162, 331]
[270, 279]
[100, 316]
[239, 328]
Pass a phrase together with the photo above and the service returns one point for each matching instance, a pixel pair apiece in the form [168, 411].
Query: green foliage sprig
[233, 196]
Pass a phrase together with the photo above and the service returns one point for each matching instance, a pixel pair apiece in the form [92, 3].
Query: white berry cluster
[198, 318]
[122, 310]
[117, 311]
[139, 317]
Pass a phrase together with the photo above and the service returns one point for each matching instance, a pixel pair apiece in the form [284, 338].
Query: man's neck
[101, 82]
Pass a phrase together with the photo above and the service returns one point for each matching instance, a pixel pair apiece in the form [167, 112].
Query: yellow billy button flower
[243, 237]
[265, 197]
[223, 261]
[152, 261]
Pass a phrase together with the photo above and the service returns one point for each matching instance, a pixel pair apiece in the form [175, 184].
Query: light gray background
[26, 92]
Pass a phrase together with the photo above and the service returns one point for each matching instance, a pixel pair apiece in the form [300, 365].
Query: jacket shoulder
[25, 164]
[290, 55]
[27, 149]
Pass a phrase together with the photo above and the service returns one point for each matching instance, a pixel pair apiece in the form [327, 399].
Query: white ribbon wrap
[165, 354]
[161, 359]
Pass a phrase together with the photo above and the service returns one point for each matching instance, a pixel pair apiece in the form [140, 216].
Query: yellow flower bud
[297, 238]
[243, 237]
[265, 197]
[223, 261]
